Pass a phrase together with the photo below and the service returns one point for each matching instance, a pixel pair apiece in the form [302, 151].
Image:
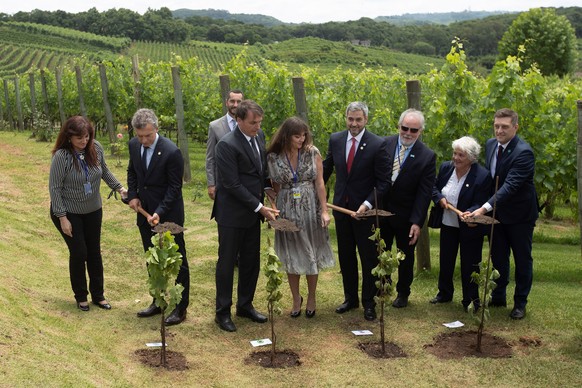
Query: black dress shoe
[101, 305]
[439, 299]
[150, 311]
[497, 303]
[517, 313]
[400, 302]
[295, 314]
[252, 314]
[82, 307]
[177, 316]
[346, 306]
[309, 313]
[369, 314]
[225, 323]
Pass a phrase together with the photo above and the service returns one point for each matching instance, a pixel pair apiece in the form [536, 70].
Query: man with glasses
[359, 159]
[412, 173]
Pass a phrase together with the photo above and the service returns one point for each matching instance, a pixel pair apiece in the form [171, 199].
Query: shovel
[367, 213]
[473, 220]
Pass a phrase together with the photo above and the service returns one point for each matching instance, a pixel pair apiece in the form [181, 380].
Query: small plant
[44, 130]
[274, 294]
[387, 264]
[164, 261]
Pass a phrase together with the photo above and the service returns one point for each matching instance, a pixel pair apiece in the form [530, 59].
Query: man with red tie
[359, 158]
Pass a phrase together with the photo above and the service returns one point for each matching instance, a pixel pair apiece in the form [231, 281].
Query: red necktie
[351, 154]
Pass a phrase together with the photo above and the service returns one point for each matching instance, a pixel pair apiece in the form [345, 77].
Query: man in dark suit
[216, 130]
[154, 178]
[359, 158]
[238, 209]
[412, 173]
[511, 160]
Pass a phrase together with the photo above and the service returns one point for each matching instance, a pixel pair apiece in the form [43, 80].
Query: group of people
[396, 173]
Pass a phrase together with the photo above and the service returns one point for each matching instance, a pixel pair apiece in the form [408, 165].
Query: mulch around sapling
[282, 359]
[459, 344]
[151, 357]
[374, 349]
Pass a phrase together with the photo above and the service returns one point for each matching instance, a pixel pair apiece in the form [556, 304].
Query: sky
[296, 11]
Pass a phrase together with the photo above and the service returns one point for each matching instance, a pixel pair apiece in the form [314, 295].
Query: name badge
[296, 193]
[87, 187]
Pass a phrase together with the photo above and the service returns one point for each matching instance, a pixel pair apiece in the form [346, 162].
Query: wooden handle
[145, 214]
[451, 207]
[340, 209]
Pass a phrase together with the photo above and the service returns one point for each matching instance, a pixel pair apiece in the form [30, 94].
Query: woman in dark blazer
[466, 185]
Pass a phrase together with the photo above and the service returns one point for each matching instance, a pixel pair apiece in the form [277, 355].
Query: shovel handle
[451, 207]
[340, 209]
[145, 214]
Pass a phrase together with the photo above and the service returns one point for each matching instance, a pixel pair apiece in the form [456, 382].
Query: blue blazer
[516, 195]
[475, 190]
[369, 170]
[160, 188]
[409, 195]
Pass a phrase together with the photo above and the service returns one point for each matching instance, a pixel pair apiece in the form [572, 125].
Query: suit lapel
[246, 146]
[359, 151]
[342, 147]
[469, 181]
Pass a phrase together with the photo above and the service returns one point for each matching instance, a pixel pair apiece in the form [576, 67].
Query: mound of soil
[459, 344]
[151, 357]
[374, 349]
[282, 359]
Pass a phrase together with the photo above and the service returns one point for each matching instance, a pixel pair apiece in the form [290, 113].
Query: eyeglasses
[406, 129]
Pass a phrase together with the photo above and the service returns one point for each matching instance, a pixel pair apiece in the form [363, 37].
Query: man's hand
[269, 213]
[363, 208]
[154, 219]
[135, 204]
[479, 212]
[413, 234]
[211, 192]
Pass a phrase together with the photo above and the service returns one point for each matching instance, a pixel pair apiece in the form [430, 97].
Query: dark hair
[282, 138]
[77, 126]
[248, 106]
[234, 91]
[506, 112]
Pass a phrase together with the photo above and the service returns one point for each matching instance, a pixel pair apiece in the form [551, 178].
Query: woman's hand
[123, 193]
[325, 218]
[66, 226]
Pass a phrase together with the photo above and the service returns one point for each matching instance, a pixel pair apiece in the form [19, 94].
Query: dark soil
[151, 357]
[168, 226]
[374, 349]
[459, 344]
[282, 359]
[373, 212]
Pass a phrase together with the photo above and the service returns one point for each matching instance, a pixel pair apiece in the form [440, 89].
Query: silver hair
[412, 112]
[357, 105]
[469, 146]
[143, 117]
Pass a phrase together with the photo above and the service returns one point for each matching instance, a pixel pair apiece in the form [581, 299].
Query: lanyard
[81, 159]
[294, 172]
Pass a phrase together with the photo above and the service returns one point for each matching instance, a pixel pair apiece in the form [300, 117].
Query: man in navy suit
[216, 130]
[360, 161]
[412, 173]
[238, 210]
[154, 178]
[512, 162]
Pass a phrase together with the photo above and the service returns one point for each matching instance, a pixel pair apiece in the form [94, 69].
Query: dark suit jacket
[160, 188]
[240, 180]
[368, 170]
[216, 130]
[475, 190]
[409, 195]
[516, 196]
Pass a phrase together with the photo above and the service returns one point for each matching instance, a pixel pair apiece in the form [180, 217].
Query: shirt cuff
[487, 207]
[258, 207]
[369, 205]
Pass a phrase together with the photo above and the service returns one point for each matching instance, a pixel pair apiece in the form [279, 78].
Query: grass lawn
[45, 340]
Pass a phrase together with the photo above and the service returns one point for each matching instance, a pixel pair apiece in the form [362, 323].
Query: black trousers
[518, 238]
[183, 277]
[397, 228]
[84, 247]
[470, 242]
[352, 234]
[243, 243]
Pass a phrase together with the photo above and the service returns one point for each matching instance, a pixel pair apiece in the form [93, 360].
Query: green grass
[46, 341]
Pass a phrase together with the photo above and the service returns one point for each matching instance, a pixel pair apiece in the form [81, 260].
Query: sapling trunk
[163, 333]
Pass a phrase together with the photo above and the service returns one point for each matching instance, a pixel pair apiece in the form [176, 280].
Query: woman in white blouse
[77, 167]
[466, 185]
